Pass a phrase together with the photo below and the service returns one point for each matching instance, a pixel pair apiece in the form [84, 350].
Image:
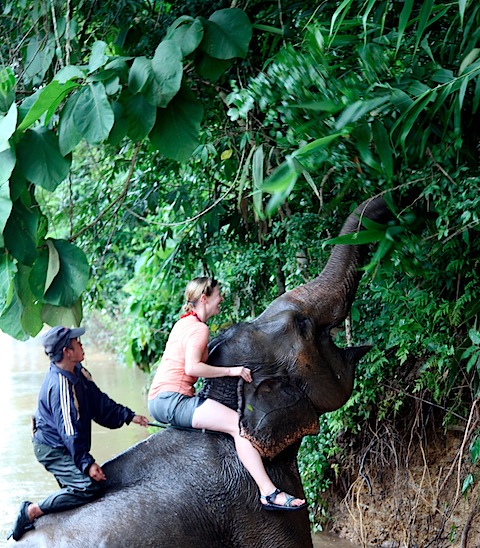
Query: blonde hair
[197, 287]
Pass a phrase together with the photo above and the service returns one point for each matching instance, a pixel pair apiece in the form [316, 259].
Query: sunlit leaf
[97, 58]
[8, 123]
[48, 100]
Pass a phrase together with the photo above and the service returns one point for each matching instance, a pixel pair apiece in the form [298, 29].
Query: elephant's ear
[274, 415]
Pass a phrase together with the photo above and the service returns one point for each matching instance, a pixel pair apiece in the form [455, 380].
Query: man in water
[68, 402]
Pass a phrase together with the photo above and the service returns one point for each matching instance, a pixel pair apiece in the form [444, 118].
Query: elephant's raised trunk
[330, 295]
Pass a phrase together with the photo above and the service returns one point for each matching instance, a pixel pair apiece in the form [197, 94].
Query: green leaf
[281, 178]
[140, 114]
[362, 135]
[315, 146]
[461, 8]
[474, 336]
[30, 319]
[404, 21]
[176, 130]
[467, 482]
[281, 183]
[166, 76]
[70, 72]
[69, 282]
[11, 320]
[20, 233]
[120, 126]
[139, 74]
[475, 449]
[423, 22]
[98, 58]
[8, 123]
[93, 116]
[188, 36]
[40, 159]
[227, 34]
[7, 273]
[357, 110]
[7, 164]
[53, 265]
[470, 58]
[257, 167]
[7, 89]
[358, 238]
[209, 67]
[39, 56]
[48, 100]
[60, 315]
[382, 144]
[68, 134]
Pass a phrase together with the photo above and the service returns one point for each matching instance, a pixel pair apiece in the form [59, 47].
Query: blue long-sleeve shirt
[67, 404]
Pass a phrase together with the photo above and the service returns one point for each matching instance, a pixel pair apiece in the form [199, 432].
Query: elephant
[187, 488]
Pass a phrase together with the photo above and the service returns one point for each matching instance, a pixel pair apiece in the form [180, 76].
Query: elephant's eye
[304, 326]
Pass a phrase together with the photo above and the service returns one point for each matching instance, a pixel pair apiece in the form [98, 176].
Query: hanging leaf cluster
[107, 99]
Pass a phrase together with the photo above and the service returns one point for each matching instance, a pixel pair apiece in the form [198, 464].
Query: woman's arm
[195, 367]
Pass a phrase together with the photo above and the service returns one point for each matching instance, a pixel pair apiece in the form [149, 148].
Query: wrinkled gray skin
[187, 488]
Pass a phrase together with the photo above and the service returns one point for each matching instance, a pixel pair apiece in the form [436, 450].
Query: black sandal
[287, 505]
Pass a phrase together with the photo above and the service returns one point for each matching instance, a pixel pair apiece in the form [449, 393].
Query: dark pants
[76, 488]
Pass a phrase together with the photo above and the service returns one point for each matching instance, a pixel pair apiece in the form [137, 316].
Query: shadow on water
[21, 373]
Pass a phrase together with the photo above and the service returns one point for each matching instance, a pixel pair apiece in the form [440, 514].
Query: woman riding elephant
[172, 395]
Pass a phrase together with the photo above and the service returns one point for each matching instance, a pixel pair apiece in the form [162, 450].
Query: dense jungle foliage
[143, 143]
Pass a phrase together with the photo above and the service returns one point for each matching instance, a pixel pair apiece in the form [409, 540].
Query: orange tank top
[170, 375]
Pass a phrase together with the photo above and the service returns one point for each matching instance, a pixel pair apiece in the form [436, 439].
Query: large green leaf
[20, 233]
[7, 163]
[139, 74]
[40, 159]
[31, 320]
[98, 57]
[187, 36]
[8, 123]
[227, 34]
[47, 100]
[177, 127]
[93, 116]
[11, 319]
[120, 127]
[140, 114]
[209, 67]
[39, 56]
[166, 76]
[71, 279]
[7, 273]
[7, 89]
[68, 134]
[60, 315]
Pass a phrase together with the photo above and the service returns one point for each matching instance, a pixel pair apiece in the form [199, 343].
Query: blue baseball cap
[57, 338]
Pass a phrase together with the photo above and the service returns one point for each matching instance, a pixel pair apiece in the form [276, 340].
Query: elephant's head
[298, 371]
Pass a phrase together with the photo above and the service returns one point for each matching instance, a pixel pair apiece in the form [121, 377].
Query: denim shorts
[174, 408]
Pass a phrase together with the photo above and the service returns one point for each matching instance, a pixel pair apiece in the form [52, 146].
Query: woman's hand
[241, 371]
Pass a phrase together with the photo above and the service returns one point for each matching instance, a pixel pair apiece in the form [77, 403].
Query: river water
[22, 368]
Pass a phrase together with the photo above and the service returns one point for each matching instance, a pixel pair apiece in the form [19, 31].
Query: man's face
[75, 353]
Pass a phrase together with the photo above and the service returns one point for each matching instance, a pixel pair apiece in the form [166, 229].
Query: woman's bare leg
[213, 415]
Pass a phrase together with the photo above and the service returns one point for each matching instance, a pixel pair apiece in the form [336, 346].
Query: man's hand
[96, 473]
[141, 420]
